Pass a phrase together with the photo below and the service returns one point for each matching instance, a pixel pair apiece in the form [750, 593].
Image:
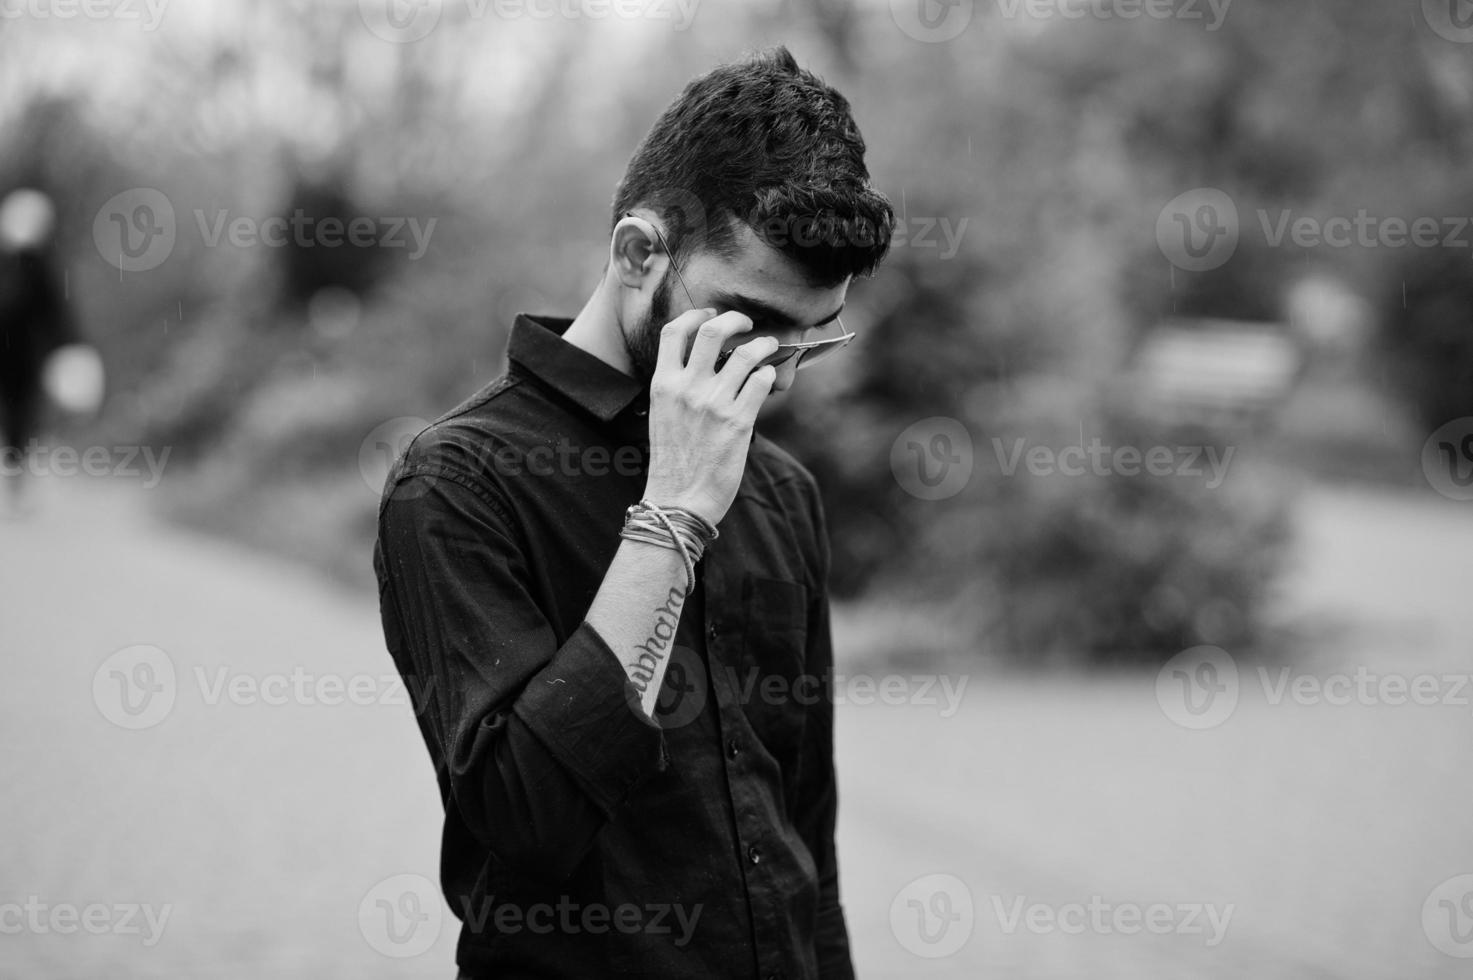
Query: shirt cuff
[583, 708]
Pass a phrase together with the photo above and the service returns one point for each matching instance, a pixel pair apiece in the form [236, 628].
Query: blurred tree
[1049, 146]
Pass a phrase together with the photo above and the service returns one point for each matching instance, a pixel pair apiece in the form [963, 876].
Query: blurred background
[1148, 477]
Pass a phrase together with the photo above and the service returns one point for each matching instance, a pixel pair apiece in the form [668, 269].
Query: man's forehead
[757, 270]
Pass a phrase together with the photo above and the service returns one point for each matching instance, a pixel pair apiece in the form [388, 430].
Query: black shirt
[581, 839]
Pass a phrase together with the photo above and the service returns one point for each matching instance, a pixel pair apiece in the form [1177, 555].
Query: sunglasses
[807, 353]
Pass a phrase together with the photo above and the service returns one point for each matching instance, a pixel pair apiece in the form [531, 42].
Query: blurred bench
[1220, 374]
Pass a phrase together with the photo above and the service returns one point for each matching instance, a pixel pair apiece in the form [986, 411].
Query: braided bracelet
[649, 529]
[683, 531]
[679, 516]
[700, 531]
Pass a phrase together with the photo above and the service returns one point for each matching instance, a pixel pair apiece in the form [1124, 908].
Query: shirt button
[754, 854]
[713, 629]
[733, 749]
[775, 976]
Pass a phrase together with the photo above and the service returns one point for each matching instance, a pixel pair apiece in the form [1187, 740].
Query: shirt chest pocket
[774, 688]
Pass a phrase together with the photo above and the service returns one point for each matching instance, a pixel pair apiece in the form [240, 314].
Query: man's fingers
[739, 365]
[711, 336]
[755, 391]
[674, 337]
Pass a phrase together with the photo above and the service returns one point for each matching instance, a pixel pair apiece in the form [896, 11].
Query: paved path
[263, 828]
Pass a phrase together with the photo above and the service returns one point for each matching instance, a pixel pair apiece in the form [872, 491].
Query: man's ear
[634, 253]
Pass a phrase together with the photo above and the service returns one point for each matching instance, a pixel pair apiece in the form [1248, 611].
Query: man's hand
[701, 419]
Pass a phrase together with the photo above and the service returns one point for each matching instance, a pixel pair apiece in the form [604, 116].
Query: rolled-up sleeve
[540, 742]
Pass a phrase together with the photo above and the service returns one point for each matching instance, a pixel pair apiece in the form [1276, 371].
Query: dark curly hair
[768, 144]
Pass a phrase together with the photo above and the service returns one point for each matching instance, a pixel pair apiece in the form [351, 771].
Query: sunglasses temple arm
[674, 267]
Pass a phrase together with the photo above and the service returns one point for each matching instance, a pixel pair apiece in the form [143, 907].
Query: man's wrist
[671, 527]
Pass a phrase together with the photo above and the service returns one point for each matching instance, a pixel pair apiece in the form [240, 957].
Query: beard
[644, 345]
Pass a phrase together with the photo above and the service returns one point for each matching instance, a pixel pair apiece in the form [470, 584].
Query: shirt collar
[537, 346]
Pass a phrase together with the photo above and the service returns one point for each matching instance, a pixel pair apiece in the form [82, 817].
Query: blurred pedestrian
[41, 353]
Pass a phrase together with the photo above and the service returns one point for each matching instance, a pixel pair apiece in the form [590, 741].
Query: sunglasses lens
[804, 355]
[814, 354]
[779, 356]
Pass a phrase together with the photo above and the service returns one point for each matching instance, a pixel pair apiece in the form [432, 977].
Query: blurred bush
[1047, 568]
[1129, 567]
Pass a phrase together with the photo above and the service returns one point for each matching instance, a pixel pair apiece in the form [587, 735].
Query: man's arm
[542, 743]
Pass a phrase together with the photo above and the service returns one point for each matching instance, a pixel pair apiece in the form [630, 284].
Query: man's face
[758, 281]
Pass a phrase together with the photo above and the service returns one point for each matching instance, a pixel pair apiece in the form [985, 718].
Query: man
[636, 761]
